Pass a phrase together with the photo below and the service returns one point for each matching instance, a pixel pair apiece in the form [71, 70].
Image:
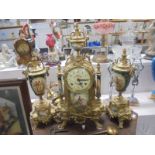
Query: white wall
[42, 29]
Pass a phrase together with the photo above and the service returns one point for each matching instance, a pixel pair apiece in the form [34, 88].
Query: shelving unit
[10, 27]
[9, 39]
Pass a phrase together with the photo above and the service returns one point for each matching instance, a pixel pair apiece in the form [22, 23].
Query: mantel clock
[79, 86]
[24, 51]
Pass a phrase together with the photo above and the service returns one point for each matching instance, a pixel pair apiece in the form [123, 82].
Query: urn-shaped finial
[77, 38]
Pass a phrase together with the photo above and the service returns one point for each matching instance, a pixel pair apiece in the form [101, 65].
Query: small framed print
[15, 107]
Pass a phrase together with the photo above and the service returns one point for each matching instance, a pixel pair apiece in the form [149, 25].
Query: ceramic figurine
[7, 57]
[151, 40]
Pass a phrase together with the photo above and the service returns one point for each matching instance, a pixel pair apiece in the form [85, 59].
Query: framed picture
[15, 107]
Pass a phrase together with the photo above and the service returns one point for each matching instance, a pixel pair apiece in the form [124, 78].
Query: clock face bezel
[82, 90]
[22, 42]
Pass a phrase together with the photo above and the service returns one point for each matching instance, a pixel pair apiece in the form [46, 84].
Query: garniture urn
[42, 109]
[122, 71]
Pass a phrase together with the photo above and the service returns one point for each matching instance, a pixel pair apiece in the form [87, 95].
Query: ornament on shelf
[103, 28]
[54, 45]
[42, 110]
[7, 57]
[150, 53]
[122, 70]
[24, 51]
[29, 35]
[25, 45]
[100, 55]
[53, 57]
[137, 61]
[79, 86]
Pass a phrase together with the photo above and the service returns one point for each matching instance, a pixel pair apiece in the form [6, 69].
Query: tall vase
[118, 107]
[42, 109]
[53, 57]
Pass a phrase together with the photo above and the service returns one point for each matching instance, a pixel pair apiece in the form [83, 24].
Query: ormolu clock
[80, 86]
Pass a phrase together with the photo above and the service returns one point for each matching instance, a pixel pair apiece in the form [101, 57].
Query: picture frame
[15, 107]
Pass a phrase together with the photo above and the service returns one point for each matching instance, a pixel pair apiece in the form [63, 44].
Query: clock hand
[81, 84]
[82, 79]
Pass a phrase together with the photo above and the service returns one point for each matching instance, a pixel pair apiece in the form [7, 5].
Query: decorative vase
[53, 57]
[50, 41]
[122, 71]
[103, 28]
[100, 55]
[137, 61]
[42, 109]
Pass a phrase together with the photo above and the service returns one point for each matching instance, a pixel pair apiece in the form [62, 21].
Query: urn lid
[122, 64]
[35, 67]
[77, 36]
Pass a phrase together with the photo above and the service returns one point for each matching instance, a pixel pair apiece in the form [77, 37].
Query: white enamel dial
[23, 49]
[78, 79]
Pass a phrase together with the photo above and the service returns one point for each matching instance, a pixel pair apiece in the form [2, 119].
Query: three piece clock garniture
[79, 84]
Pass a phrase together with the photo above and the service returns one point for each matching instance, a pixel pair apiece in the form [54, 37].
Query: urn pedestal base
[42, 112]
[119, 108]
[65, 113]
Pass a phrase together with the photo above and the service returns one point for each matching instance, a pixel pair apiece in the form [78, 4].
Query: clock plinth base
[119, 108]
[42, 112]
[99, 126]
[65, 113]
[62, 125]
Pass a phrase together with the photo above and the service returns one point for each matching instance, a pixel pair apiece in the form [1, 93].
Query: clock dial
[23, 49]
[78, 79]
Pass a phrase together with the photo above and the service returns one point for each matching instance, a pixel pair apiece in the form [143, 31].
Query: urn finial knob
[124, 57]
